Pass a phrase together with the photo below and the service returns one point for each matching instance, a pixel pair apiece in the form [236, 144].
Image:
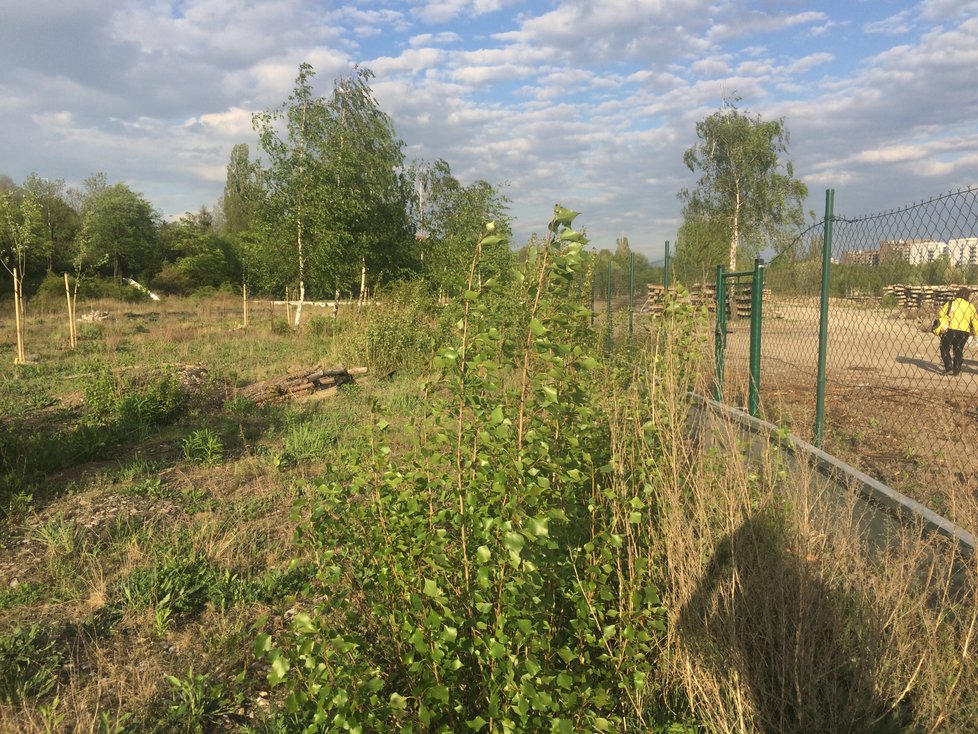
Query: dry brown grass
[785, 616]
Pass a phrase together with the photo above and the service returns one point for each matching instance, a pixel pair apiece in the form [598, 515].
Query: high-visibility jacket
[959, 315]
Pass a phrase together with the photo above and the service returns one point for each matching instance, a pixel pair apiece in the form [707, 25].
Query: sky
[586, 103]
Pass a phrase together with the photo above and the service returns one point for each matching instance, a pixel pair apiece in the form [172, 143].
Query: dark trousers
[952, 349]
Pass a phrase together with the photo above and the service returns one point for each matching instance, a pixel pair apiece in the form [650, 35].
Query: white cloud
[231, 124]
[894, 25]
[435, 39]
[807, 63]
[940, 10]
[748, 23]
[591, 102]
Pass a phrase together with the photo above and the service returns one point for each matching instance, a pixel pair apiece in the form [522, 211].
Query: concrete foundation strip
[896, 504]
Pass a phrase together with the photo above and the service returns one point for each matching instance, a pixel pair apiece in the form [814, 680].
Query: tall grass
[786, 614]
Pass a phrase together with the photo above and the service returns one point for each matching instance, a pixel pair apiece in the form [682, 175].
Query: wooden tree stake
[72, 338]
[19, 321]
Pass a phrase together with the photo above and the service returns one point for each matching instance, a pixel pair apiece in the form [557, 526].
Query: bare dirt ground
[890, 409]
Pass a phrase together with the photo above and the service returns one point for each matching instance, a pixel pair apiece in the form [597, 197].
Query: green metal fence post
[823, 318]
[631, 298]
[721, 334]
[608, 335]
[756, 301]
[592, 294]
[665, 273]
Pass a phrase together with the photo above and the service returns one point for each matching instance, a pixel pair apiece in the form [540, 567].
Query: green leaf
[280, 666]
[563, 216]
[263, 643]
[540, 527]
[514, 542]
[398, 702]
[431, 588]
[303, 623]
[537, 327]
[483, 554]
[476, 724]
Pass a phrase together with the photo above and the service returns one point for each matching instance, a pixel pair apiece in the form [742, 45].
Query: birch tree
[293, 172]
[21, 234]
[746, 186]
[335, 188]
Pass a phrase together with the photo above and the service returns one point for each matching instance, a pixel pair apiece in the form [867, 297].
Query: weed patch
[30, 662]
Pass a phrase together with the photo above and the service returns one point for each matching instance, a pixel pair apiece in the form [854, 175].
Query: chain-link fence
[623, 287]
[876, 393]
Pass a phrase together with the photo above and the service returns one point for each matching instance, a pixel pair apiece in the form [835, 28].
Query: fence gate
[733, 300]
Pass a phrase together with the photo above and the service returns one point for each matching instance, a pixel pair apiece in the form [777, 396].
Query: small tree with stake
[21, 230]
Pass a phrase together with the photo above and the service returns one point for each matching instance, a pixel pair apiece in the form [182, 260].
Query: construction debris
[317, 382]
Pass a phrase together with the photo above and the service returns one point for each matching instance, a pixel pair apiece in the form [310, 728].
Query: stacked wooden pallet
[315, 382]
[921, 296]
[698, 295]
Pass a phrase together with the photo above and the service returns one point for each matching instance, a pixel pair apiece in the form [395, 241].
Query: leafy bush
[114, 402]
[401, 329]
[496, 576]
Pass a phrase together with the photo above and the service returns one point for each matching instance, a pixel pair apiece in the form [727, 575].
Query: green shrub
[204, 447]
[401, 328]
[281, 326]
[127, 405]
[497, 572]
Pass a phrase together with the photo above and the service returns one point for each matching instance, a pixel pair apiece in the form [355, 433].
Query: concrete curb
[902, 507]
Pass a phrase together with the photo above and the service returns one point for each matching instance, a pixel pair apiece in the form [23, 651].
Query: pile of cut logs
[313, 383]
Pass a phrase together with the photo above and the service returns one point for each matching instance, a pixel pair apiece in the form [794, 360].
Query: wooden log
[320, 394]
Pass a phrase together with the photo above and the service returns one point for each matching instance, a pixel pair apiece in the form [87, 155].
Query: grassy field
[516, 533]
[148, 511]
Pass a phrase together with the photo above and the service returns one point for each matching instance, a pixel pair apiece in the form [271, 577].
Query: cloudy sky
[589, 103]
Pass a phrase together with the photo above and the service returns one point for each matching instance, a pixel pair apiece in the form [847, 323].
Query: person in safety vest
[956, 321]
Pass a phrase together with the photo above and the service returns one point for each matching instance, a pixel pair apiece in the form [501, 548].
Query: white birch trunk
[735, 231]
[298, 221]
[363, 281]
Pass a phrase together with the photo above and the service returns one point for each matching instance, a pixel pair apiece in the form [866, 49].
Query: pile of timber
[922, 296]
[742, 296]
[316, 382]
[703, 294]
[698, 295]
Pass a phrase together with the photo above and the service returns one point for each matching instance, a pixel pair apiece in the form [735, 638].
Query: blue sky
[588, 103]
